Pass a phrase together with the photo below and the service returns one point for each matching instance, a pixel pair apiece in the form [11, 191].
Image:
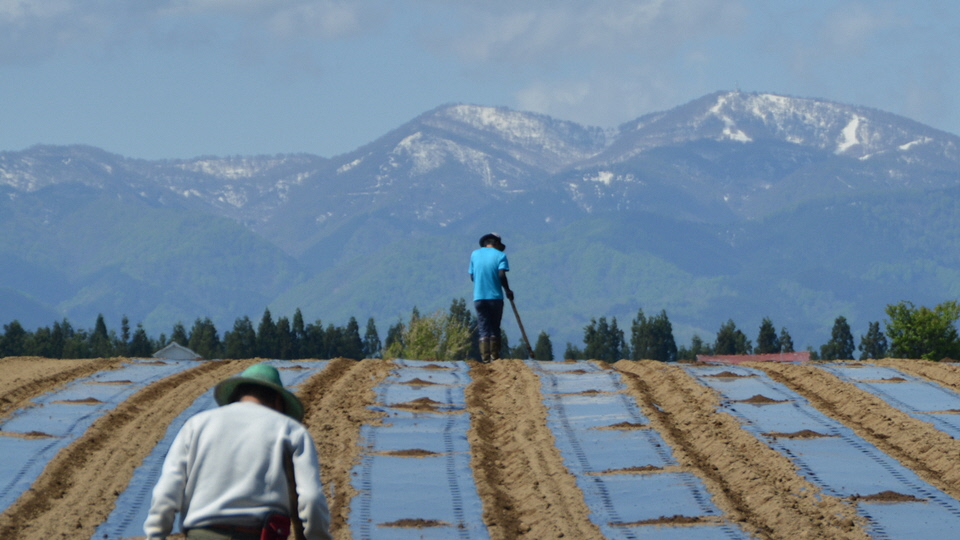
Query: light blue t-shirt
[485, 266]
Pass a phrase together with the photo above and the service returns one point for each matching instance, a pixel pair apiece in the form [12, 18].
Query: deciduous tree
[923, 333]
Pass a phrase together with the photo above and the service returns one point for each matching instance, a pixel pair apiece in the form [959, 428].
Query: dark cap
[491, 236]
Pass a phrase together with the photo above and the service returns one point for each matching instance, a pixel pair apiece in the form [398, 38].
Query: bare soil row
[525, 489]
[26, 378]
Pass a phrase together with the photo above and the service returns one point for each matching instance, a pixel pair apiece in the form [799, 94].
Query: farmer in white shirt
[227, 470]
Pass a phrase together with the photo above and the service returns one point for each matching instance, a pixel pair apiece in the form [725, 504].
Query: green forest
[910, 332]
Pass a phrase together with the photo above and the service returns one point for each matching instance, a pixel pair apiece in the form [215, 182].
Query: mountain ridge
[712, 176]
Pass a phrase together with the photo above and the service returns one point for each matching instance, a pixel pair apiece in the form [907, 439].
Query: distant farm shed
[175, 351]
[802, 356]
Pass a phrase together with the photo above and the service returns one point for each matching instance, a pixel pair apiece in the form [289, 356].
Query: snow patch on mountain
[227, 168]
[848, 137]
[430, 153]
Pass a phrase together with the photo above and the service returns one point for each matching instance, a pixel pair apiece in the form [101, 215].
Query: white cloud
[852, 28]
[38, 29]
[531, 31]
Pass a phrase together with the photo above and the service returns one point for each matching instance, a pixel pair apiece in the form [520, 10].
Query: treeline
[284, 338]
[911, 332]
[450, 335]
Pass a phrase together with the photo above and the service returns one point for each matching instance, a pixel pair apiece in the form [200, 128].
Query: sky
[177, 79]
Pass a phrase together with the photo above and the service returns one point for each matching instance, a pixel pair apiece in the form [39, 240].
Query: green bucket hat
[263, 375]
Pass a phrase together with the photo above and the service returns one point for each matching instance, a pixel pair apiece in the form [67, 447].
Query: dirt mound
[754, 484]
[526, 490]
[78, 488]
[931, 453]
[26, 378]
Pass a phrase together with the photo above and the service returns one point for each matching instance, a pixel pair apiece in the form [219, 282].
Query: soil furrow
[752, 483]
[337, 402]
[526, 490]
[28, 377]
[946, 374]
[78, 488]
[931, 453]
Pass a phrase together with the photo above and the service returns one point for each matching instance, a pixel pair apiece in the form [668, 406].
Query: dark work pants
[489, 314]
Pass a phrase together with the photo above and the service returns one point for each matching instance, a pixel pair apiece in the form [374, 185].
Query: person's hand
[510, 295]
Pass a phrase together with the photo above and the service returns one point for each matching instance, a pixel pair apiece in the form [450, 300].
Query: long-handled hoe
[522, 331]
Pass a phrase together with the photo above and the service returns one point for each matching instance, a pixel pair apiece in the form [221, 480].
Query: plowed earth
[525, 489]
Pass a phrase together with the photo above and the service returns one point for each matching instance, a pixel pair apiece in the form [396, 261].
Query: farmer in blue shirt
[488, 271]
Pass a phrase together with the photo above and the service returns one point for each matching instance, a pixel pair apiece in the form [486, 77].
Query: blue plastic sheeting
[619, 499]
[64, 415]
[921, 398]
[435, 488]
[133, 504]
[842, 464]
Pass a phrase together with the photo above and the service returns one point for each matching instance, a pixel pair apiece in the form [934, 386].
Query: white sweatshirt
[226, 466]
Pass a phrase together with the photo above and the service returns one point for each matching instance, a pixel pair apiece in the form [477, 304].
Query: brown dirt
[415, 523]
[525, 488]
[886, 496]
[412, 452]
[759, 399]
[337, 402]
[526, 491]
[931, 453]
[750, 482]
[624, 426]
[802, 434]
[25, 378]
[73, 495]
[947, 374]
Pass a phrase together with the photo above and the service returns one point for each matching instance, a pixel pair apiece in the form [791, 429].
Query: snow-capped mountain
[688, 194]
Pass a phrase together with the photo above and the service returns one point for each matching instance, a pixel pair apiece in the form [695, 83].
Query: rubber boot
[494, 348]
[485, 356]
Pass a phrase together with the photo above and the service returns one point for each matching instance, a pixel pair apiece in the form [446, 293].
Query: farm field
[516, 449]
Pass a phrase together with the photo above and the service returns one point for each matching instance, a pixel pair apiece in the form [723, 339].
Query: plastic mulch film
[835, 459]
[32, 436]
[414, 479]
[133, 504]
[581, 399]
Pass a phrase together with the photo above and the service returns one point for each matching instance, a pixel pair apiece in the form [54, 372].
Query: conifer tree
[840, 346]
[267, 341]
[730, 340]
[312, 345]
[241, 342]
[204, 339]
[351, 345]
[767, 340]
[604, 341]
[124, 336]
[652, 338]
[786, 342]
[100, 346]
[13, 341]
[140, 345]
[299, 334]
[874, 344]
[179, 335]
[572, 352]
[286, 348]
[371, 340]
[394, 341]
[544, 348]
